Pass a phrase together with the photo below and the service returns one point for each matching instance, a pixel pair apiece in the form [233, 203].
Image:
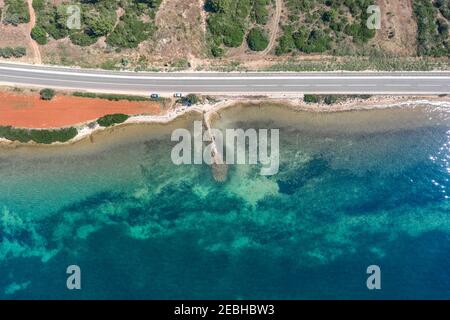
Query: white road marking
[362, 85]
[42, 80]
[206, 77]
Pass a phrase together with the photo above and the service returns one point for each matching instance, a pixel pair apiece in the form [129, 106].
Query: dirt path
[180, 33]
[275, 26]
[202, 15]
[398, 32]
[33, 44]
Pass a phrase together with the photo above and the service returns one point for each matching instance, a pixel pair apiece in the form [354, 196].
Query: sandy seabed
[148, 115]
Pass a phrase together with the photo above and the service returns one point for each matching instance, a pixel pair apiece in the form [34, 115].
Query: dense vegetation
[39, 35]
[111, 97]
[15, 12]
[39, 136]
[98, 19]
[112, 119]
[190, 99]
[230, 20]
[331, 98]
[260, 13]
[130, 32]
[316, 26]
[9, 52]
[257, 39]
[433, 23]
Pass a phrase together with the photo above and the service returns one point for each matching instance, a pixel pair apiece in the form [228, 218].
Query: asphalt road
[226, 83]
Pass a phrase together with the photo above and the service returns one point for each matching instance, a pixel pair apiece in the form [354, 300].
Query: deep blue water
[352, 191]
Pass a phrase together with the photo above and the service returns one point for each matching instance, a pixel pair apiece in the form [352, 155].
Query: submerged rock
[219, 171]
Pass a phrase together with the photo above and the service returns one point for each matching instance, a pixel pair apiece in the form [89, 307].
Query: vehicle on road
[178, 95]
[154, 96]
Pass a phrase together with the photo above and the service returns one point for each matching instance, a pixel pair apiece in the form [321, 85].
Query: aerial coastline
[258, 150]
[88, 128]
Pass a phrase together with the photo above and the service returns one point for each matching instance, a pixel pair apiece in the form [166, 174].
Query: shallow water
[354, 189]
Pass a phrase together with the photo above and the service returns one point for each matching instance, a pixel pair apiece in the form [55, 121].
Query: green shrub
[432, 31]
[16, 13]
[359, 32]
[257, 39]
[129, 32]
[39, 35]
[444, 8]
[85, 94]
[324, 25]
[38, 5]
[229, 19]
[216, 6]
[111, 97]
[20, 52]
[9, 52]
[112, 119]
[233, 35]
[190, 99]
[100, 23]
[47, 94]
[285, 44]
[330, 99]
[52, 20]
[217, 51]
[180, 64]
[98, 18]
[260, 12]
[39, 136]
[310, 98]
[82, 39]
[317, 41]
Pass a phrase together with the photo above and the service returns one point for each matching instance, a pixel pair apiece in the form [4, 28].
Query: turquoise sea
[354, 189]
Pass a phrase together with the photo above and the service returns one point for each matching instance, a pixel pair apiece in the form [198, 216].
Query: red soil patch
[28, 111]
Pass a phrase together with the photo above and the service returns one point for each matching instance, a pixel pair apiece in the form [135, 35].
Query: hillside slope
[232, 34]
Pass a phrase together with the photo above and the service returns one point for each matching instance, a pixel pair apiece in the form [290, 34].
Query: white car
[178, 95]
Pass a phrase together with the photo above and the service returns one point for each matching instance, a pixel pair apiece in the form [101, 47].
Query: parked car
[178, 95]
[154, 96]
